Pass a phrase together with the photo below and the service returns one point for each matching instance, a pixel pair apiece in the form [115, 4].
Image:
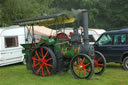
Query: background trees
[12, 10]
[106, 14]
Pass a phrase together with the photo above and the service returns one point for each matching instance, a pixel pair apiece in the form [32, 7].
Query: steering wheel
[62, 36]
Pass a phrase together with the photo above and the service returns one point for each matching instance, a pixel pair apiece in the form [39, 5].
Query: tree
[119, 13]
[106, 14]
[18, 9]
[45, 7]
[94, 8]
[21, 9]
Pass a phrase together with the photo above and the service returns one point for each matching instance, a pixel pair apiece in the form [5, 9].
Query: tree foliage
[107, 14]
[21, 9]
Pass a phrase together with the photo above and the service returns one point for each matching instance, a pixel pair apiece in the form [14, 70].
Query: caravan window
[11, 41]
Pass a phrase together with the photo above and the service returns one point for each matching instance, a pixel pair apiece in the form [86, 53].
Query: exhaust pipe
[85, 26]
[86, 48]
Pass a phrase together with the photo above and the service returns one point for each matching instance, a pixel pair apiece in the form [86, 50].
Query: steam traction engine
[61, 52]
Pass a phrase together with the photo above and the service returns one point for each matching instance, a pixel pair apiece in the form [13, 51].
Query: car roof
[117, 31]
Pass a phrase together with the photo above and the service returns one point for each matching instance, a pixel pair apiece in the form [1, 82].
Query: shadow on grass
[11, 65]
[114, 65]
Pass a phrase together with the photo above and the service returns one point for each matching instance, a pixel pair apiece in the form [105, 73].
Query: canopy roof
[62, 18]
[48, 20]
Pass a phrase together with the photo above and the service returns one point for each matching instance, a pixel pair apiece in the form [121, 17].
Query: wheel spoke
[100, 64]
[76, 69]
[79, 60]
[37, 55]
[84, 73]
[35, 64]
[45, 55]
[83, 60]
[49, 65]
[98, 68]
[75, 64]
[33, 58]
[42, 52]
[87, 70]
[48, 59]
[79, 72]
[37, 72]
[87, 64]
[42, 71]
[99, 58]
[47, 70]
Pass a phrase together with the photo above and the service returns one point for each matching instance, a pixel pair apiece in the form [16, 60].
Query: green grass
[19, 75]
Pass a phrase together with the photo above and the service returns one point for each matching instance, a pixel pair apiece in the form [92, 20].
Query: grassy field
[19, 75]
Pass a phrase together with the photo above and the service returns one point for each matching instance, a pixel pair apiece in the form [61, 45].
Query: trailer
[10, 48]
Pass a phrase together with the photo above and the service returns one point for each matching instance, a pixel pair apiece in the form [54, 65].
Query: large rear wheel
[43, 61]
[82, 66]
[99, 63]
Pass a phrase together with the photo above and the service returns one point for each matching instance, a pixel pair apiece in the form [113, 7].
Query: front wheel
[82, 66]
[125, 63]
[99, 63]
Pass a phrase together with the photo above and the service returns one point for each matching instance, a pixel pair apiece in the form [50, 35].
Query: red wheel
[99, 63]
[82, 66]
[62, 36]
[43, 61]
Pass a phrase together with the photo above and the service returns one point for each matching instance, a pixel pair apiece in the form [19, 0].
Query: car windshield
[106, 39]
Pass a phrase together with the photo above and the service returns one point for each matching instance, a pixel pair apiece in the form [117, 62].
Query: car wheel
[125, 63]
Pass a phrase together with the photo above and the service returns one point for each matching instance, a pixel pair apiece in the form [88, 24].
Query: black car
[114, 46]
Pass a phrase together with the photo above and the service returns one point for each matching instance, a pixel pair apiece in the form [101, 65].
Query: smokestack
[86, 48]
[85, 26]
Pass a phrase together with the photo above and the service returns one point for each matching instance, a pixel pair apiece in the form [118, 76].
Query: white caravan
[94, 34]
[10, 48]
